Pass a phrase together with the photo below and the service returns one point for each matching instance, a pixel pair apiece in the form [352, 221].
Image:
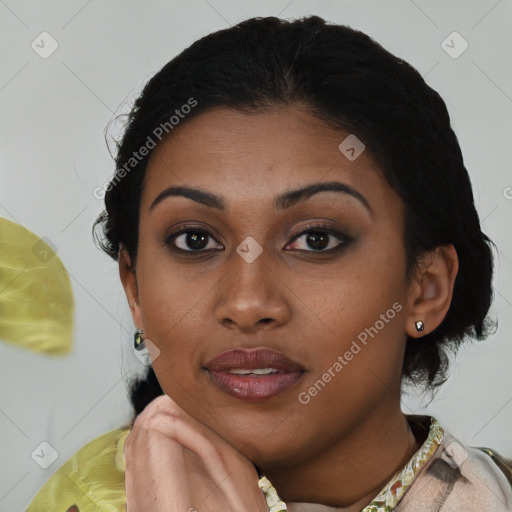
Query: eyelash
[345, 240]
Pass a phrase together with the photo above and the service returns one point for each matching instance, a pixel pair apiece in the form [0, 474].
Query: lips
[254, 375]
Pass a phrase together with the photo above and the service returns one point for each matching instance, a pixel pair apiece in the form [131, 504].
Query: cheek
[171, 293]
[172, 309]
[362, 312]
[353, 296]
[356, 373]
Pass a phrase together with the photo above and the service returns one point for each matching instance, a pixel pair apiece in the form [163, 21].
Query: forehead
[242, 156]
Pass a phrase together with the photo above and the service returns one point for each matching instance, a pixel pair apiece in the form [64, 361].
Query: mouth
[254, 375]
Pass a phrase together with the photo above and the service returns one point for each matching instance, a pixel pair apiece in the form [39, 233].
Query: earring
[137, 339]
[419, 325]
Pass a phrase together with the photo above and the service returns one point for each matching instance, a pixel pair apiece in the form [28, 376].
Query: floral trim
[391, 494]
[389, 497]
[274, 503]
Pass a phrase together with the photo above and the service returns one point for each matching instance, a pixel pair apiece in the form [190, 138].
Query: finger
[155, 476]
[188, 428]
[159, 484]
[217, 456]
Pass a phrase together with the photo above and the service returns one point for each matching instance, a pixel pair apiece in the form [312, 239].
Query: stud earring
[137, 339]
[419, 325]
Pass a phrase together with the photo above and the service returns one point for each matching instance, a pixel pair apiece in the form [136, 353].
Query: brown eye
[191, 240]
[322, 239]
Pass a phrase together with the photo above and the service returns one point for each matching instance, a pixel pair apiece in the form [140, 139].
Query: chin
[265, 453]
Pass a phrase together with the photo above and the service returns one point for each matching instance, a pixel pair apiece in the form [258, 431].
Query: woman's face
[333, 302]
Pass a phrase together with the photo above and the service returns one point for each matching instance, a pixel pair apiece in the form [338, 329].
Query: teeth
[256, 371]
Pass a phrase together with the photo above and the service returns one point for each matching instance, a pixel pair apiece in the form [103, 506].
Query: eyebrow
[285, 200]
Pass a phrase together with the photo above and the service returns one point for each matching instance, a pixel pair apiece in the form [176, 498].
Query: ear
[129, 280]
[431, 289]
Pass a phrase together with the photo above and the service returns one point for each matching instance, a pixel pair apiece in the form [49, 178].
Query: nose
[251, 296]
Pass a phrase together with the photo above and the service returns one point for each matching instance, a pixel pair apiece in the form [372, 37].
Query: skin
[339, 449]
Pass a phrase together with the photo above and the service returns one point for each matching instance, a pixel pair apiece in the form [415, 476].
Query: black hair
[350, 82]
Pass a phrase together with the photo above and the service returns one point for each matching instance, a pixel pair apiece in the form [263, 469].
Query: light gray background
[53, 154]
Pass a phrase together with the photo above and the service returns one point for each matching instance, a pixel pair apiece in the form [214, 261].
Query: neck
[350, 473]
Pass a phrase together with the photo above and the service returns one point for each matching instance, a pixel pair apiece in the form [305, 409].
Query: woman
[297, 237]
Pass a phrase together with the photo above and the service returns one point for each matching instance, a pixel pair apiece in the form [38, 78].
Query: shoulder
[91, 480]
[459, 477]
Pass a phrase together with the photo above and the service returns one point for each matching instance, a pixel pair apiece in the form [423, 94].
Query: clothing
[38, 305]
[442, 476]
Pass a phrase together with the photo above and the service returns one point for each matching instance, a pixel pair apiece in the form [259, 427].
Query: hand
[174, 463]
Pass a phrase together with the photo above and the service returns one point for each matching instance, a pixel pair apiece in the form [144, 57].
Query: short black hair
[350, 82]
